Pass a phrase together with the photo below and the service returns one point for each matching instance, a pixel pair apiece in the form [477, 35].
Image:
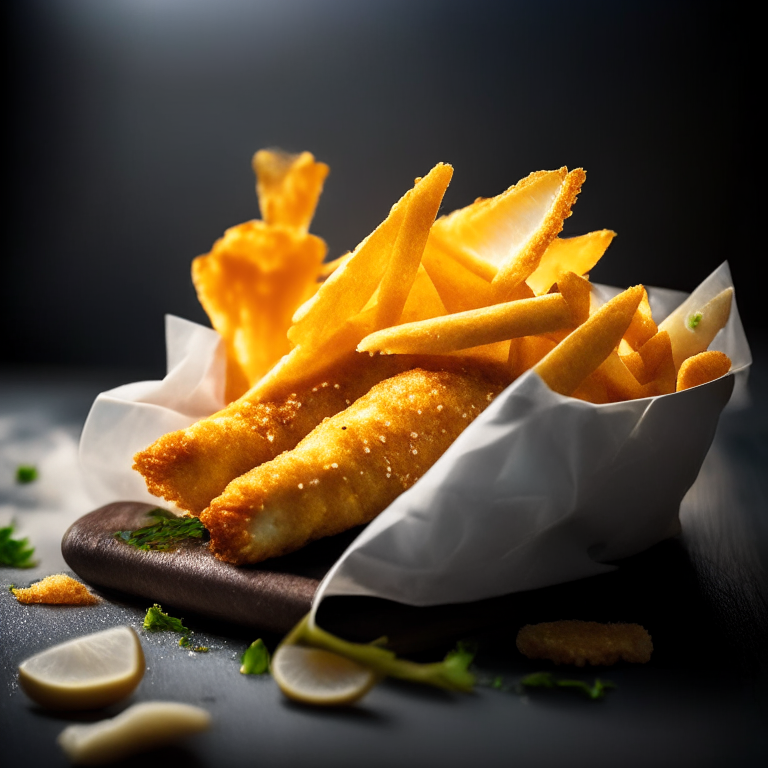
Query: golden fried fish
[349, 468]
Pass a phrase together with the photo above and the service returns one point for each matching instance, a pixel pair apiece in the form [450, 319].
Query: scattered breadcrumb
[585, 642]
[58, 589]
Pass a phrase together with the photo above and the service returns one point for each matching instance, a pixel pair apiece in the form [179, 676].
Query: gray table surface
[701, 701]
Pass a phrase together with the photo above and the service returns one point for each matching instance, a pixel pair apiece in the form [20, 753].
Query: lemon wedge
[85, 673]
[315, 676]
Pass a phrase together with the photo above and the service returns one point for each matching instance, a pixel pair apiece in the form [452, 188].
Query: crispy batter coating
[192, 466]
[585, 642]
[349, 468]
[58, 589]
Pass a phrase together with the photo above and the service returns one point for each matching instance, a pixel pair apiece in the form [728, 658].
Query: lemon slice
[85, 673]
[315, 676]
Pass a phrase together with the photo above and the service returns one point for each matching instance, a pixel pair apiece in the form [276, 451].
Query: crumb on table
[58, 589]
[585, 642]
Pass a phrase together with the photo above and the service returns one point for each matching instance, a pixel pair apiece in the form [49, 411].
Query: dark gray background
[133, 123]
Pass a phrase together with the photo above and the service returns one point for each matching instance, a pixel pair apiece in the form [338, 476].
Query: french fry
[475, 327]
[569, 254]
[525, 352]
[619, 382]
[653, 362]
[576, 291]
[642, 327]
[511, 230]
[423, 300]
[692, 332]
[329, 267]
[411, 239]
[533, 232]
[583, 350]
[702, 368]
[459, 287]
[288, 187]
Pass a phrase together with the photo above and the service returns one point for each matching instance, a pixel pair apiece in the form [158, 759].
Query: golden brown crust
[349, 468]
[585, 642]
[58, 589]
[191, 466]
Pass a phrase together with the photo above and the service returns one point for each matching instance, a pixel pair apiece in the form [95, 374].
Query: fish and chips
[346, 381]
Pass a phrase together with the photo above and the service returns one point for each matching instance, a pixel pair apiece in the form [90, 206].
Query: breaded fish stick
[192, 466]
[349, 468]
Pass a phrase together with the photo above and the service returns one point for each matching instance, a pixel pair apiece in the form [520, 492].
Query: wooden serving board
[270, 597]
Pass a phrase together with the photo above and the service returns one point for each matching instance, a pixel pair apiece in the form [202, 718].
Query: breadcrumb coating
[58, 589]
[585, 642]
[349, 468]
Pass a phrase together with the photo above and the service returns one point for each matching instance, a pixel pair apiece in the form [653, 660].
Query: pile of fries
[348, 380]
[491, 282]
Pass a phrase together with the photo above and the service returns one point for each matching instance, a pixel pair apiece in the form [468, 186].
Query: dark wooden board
[271, 597]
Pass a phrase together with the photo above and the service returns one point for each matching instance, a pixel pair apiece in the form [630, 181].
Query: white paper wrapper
[540, 489]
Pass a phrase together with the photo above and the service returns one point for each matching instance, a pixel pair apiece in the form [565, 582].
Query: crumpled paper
[539, 489]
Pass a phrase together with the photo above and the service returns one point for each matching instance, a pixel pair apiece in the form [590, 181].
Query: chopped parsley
[26, 473]
[157, 620]
[165, 533]
[255, 660]
[15, 553]
[694, 319]
[548, 680]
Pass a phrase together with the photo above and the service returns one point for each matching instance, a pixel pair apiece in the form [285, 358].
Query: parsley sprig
[15, 553]
[548, 680]
[165, 534]
[157, 620]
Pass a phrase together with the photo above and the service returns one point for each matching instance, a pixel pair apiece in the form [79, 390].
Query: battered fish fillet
[194, 465]
[585, 642]
[349, 468]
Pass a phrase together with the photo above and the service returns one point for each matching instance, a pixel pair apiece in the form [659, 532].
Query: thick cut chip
[547, 207]
[473, 328]
[569, 254]
[642, 327]
[525, 352]
[653, 366]
[583, 350]
[619, 382]
[423, 300]
[692, 332]
[459, 287]
[702, 368]
[288, 187]
[341, 313]
[409, 246]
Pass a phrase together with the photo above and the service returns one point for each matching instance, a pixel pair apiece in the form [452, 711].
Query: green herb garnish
[694, 319]
[452, 673]
[548, 680]
[15, 553]
[164, 534]
[26, 473]
[255, 660]
[157, 620]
